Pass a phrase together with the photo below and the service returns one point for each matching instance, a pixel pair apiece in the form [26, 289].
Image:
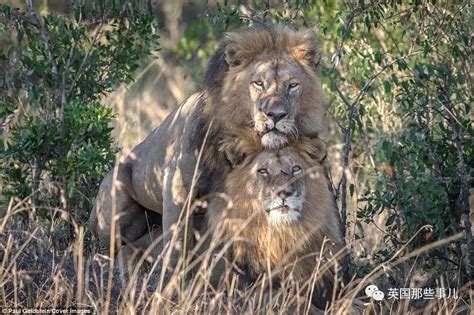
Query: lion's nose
[274, 108]
[276, 115]
[286, 192]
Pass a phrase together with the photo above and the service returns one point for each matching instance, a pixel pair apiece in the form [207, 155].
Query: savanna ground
[82, 80]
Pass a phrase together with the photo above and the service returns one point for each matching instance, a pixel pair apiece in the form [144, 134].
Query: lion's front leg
[178, 196]
[130, 255]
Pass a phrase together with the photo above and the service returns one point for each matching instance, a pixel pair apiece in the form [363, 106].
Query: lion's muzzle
[272, 121]
[274, 107]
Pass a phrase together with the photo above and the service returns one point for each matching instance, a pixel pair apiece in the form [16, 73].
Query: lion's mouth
[282, 215]
[273, 131]
[282, 208]
[282, 211]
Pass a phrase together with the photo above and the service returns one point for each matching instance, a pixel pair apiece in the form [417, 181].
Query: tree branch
[85, 59]
[40, 159]
[463, 197]
[341, 190]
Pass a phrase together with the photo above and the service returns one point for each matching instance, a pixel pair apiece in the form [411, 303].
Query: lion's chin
[282, 216]
[274, 140]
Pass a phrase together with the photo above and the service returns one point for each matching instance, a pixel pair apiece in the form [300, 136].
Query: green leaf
[387, 86]
[378, 57]
[390, 220]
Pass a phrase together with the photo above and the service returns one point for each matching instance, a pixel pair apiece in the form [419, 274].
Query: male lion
[265, 77]
[280, 215]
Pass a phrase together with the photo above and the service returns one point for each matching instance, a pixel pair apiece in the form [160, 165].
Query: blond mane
[222, 82]
[246, 45]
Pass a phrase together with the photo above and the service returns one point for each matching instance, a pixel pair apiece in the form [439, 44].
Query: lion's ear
[319, 150]
[233, 49]
[315, 148]
[233, 151]
[239, 144]
[313, 57]
[224, 58]
[234, 157]
[230, 56]
[306, 49]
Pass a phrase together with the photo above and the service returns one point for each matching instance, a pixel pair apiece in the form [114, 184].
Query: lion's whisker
[294, 133]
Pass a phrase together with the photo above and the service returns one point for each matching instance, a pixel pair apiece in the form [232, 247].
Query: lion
[263, 77]
[281, 215]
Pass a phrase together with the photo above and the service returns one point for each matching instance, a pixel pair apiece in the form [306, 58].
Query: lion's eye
[262, 172]
[293, 85]
[258, 84]
[296, 170]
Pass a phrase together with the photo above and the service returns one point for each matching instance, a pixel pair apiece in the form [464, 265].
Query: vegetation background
[82, 80]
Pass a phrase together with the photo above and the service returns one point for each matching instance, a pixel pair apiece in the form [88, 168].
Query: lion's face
[272, 183]
[274, 90]
[277, 181]
[267, 78]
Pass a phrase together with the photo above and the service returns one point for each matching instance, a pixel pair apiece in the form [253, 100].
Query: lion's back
[174, 140]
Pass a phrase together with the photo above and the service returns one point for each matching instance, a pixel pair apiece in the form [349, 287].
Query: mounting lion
[263, 77]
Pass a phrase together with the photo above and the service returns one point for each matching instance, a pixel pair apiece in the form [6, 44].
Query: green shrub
[55, 71]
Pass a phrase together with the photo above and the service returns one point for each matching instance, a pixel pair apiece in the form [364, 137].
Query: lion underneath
[282, 216]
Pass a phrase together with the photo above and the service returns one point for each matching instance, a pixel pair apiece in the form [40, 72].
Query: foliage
[55, 71]
[422, 158]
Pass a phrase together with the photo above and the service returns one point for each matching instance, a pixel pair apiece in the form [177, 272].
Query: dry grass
[35, 275]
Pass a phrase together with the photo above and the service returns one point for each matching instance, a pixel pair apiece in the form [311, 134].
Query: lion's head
[275, 181]
[282, 188]
[267, 77]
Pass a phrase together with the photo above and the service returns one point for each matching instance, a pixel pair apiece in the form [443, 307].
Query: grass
[33, 274]
[39, 270]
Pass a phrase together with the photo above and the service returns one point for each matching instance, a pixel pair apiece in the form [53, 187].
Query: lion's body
[294, 247]
[159, 174]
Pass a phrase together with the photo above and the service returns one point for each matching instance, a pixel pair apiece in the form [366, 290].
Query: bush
[55, 71]
[396, 75]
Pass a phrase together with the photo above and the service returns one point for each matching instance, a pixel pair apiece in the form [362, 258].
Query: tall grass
[35, 275]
